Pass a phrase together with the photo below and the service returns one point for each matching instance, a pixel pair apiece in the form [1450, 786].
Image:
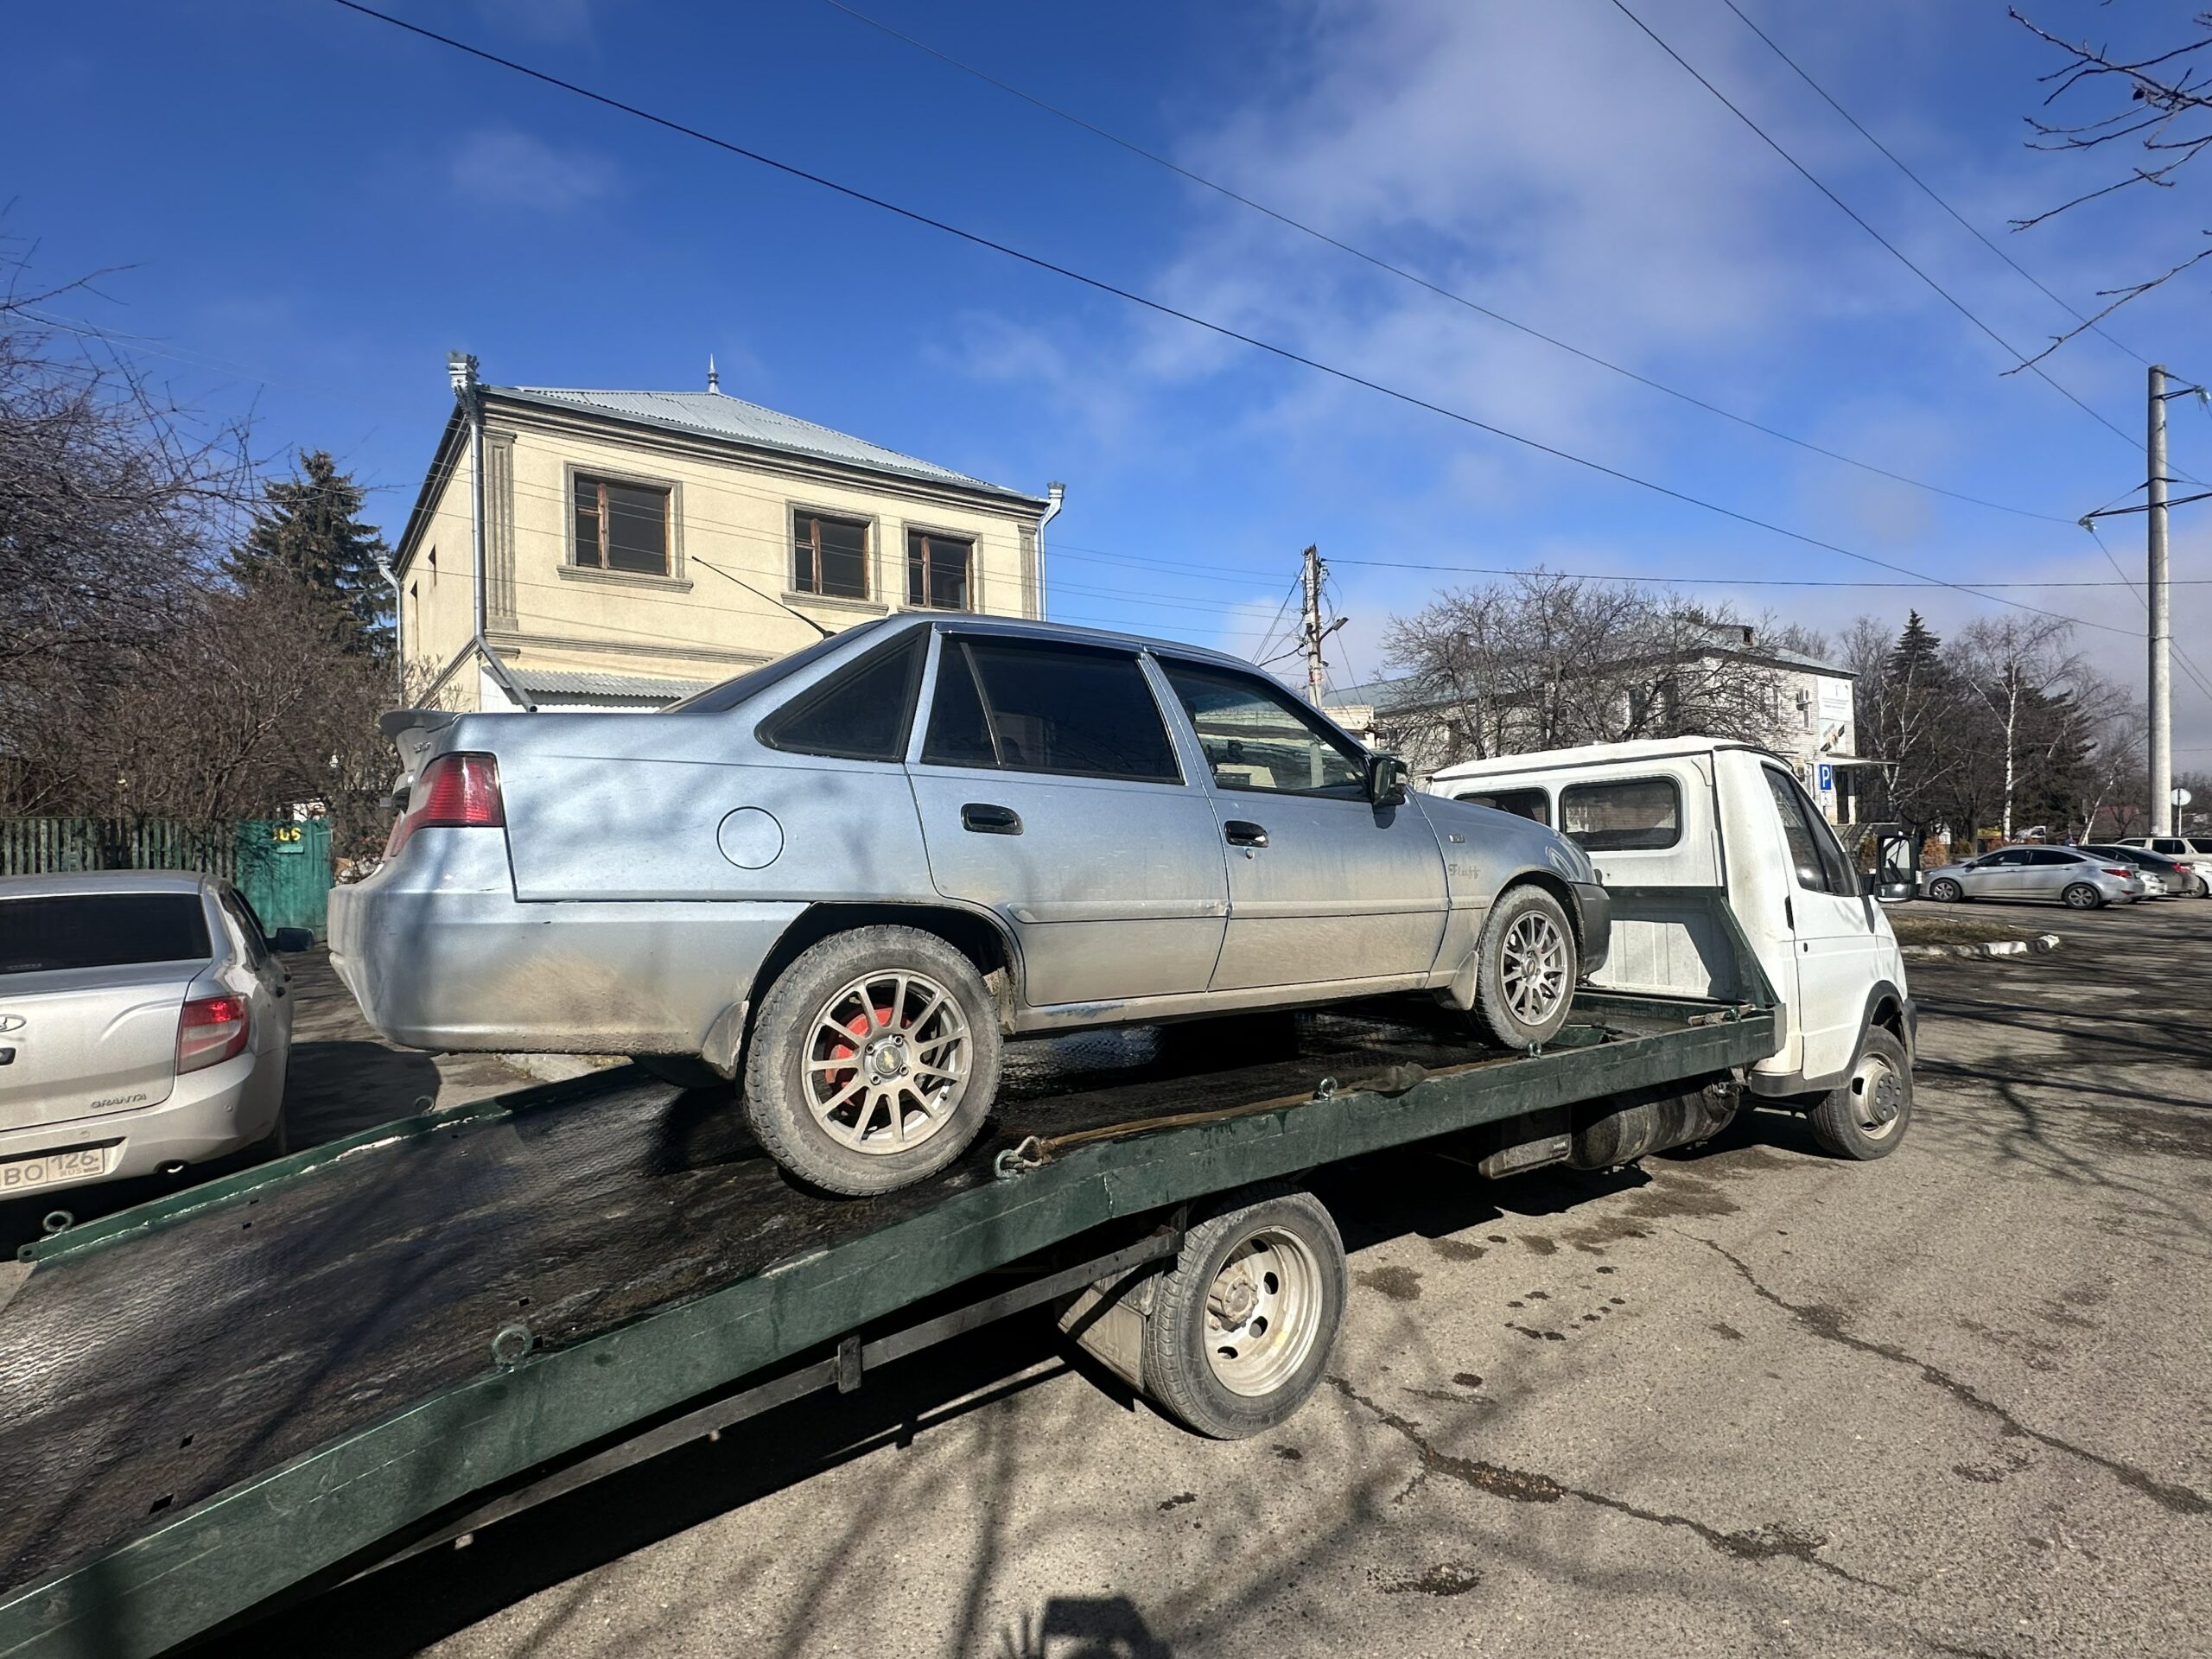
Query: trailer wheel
[1525, 968]
[1867, 1114]
[1241, 1326]
[873, 1060]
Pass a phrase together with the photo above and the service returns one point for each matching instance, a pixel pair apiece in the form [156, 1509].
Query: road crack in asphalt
[1525, 1486]
[1827, 1323]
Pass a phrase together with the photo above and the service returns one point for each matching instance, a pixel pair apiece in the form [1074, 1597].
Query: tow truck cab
[1663, 817]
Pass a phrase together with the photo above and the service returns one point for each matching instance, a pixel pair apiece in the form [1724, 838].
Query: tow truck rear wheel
[873, 1060]
[1867, 1114]
[1240, 1328]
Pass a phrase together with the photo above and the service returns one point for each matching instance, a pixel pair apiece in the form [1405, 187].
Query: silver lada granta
[845, 879]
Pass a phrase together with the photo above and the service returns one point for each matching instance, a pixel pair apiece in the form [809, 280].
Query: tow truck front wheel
[1241, 1326]
[873, 1060]
[1867, 1114]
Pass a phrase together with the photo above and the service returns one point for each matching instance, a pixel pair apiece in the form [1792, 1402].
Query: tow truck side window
[1531, 803]
[1629, 815]
[1819, 863]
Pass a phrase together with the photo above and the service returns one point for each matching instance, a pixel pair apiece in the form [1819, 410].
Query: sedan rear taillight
[456, 791]
[2123, 874]
[210, 1030]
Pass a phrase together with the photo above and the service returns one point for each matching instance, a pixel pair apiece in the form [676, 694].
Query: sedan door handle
[1241, 832]
[985, 819]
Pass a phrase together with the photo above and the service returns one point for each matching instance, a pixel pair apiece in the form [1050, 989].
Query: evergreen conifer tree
[309, 531]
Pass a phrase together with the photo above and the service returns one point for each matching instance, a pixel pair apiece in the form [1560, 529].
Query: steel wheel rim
[886, 1062]
[1532, 968]
[1263, 1313]
[1877, 1088]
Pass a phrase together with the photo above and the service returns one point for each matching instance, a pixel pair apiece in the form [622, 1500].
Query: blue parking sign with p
[1827, 777]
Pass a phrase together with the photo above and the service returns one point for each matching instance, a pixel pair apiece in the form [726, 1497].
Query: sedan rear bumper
[208, 1114]
[441, 955]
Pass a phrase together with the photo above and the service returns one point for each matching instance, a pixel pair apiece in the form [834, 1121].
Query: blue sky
[313, 208]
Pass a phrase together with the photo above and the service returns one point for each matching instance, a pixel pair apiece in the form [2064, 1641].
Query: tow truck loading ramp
[283, 1377]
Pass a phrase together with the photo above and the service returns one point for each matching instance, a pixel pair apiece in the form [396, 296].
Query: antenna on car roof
[771, 598]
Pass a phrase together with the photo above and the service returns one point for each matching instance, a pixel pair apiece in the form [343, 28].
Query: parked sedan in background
[144, 1026]
[2194, 851]
[2176, 880]
[2061, 875]
[842, 879]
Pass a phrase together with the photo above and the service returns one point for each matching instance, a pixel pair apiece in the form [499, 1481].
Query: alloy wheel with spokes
[887, 1061]
[873, 1060]
[1537, 963]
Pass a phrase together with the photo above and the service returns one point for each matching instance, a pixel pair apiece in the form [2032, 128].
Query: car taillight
[210, 1030]
[456, 791]
[2110, 871]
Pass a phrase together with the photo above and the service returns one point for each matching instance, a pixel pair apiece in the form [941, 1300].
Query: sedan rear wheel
[873, 1061]
[2082, 896]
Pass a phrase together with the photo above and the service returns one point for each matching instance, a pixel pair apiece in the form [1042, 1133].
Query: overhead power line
[1161, 309]
[1404, 275]
[2019, 358]
[1927, 190]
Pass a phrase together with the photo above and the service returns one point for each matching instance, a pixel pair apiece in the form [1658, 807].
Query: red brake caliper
[858, 1025]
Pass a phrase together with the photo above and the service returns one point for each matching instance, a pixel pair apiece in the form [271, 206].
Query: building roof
[570, 682]
[716, 415]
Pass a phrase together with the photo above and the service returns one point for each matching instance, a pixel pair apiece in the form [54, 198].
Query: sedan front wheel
[1944, 891]
[1526, 967]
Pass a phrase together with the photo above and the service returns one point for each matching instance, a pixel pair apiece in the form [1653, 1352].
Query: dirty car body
[1197, 842]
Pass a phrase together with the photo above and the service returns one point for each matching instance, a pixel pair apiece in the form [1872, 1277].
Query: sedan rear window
[100, 930]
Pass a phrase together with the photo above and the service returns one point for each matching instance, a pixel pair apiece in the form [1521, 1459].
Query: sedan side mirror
[291, 939]
[1386, 780]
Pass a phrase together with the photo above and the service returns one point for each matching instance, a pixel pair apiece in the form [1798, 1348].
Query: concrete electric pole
[1313, 669]
[2161, 687]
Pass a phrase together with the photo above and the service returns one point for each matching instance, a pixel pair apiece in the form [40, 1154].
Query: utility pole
[2161, 688]
[1313, 669]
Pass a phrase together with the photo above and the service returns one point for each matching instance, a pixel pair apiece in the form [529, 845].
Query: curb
[2042, 944]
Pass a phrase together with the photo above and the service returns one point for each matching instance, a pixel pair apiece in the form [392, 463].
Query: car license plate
[52, 1169]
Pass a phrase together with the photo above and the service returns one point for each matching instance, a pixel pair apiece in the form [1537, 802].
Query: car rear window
[100, 930]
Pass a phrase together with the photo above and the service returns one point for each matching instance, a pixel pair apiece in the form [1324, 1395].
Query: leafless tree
[1544, 661]
[2165, 106]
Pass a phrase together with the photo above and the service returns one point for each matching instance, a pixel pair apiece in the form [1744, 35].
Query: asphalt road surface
[1745, 1400]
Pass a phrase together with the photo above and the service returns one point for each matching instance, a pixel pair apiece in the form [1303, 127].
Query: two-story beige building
[638, 546]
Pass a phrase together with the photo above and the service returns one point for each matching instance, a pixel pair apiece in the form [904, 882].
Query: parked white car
[1701, 812]
[144, 1026]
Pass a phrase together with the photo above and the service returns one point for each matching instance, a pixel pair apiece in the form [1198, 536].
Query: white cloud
[506, 168]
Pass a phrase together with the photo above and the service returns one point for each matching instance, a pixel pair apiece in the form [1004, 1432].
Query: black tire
[1848, 1121]
[2082, 896]
[775, 1101]
[1496, 1013]
[1944, 891]
[1255, 1388]
[683, 1071]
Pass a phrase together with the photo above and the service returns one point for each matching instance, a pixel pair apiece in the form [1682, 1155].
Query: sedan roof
[90, 881]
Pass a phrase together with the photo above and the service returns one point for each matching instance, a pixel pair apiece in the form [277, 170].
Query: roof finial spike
[713, 380]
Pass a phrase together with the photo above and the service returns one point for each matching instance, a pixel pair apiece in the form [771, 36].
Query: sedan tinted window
[1052, 709]
[100, 930]
[2050, 856]
[859, 713]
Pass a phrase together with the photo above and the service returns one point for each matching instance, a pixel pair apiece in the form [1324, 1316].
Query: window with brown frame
[830, 555]
[622, 526]
[936, 570]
